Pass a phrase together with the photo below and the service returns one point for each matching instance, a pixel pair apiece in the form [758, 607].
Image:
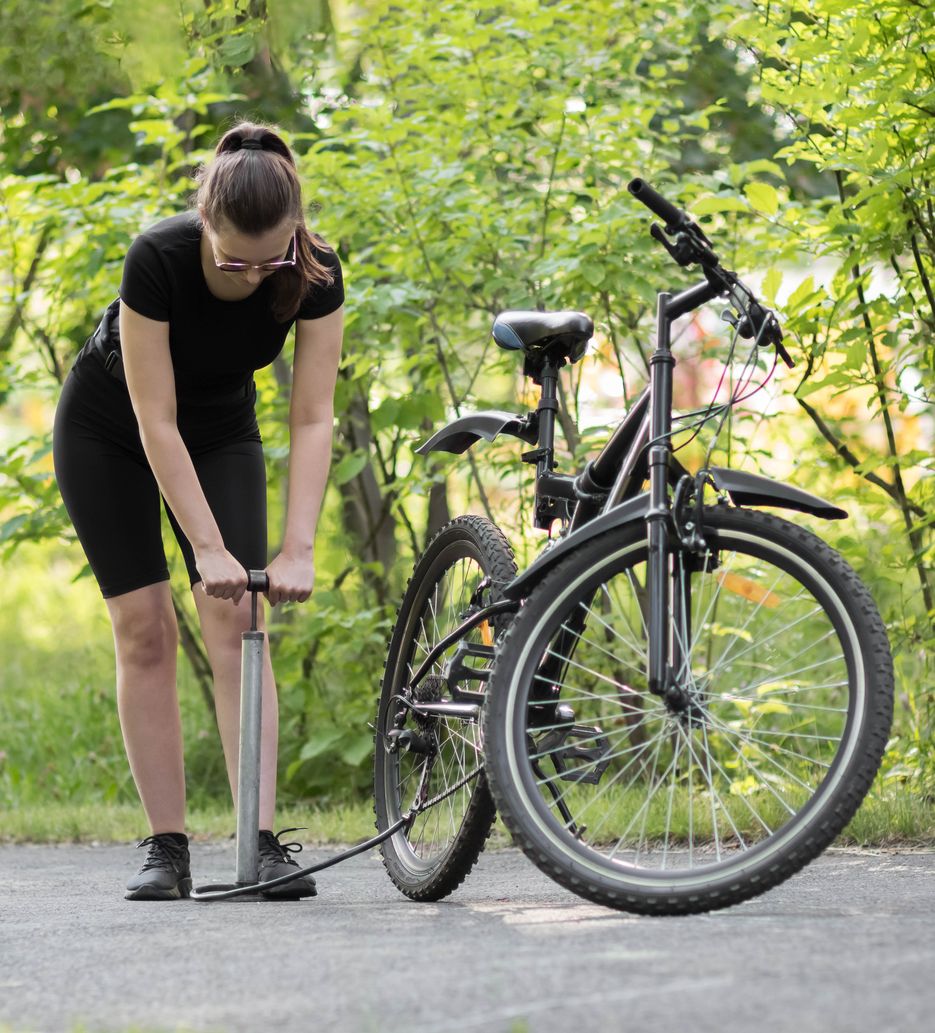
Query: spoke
[583, 767]
[583, 694]
[723, 658]
[781, 676]
[731, 697]
[599, 734]
[765, 782]
[794, 735]
[715, 795]
[593, 831]
[729, 731]
[634, 645]
[701, 623]
[720, 585]
[591, 642]
[614, 717]
[691, 802]
[616, 776]
[470, 743]
[712, 790]
[433, 614]
[726, 730]
[759, 665]
[675, 759]
[581, 667]
[644, 807]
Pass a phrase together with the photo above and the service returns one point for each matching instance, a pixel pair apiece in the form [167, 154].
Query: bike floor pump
[247, 886]
[253, 643]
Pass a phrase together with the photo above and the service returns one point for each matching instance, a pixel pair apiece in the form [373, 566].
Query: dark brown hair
[254, 189]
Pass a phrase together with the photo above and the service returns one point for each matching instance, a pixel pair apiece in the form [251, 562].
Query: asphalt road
[847, 945]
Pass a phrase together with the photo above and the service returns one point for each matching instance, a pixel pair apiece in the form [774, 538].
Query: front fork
[668, 575]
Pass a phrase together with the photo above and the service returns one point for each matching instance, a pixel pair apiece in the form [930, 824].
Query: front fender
[750, 489]
[460, 434]
[745, 489]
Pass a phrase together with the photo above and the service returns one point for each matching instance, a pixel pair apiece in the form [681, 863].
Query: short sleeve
[145, 286]
[323, 300]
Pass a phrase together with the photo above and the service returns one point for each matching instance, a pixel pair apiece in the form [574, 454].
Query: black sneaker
[275, 861]
[166, 874]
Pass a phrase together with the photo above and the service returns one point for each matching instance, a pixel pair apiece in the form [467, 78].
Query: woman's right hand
[222, 576]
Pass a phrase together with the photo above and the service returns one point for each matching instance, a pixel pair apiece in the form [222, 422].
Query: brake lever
[775, 331]
[756, 317]
[691, 245]
[658, 233]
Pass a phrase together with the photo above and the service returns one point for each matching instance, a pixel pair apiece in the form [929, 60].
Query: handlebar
[257, 581]
[673, 217]
[692, 247]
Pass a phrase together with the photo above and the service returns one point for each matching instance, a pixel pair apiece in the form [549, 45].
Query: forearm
[309, 461]
[175, 473]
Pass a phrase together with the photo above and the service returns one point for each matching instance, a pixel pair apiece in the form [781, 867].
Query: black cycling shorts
[113, 499]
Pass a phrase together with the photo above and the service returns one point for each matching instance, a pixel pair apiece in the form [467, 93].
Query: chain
[419, 808]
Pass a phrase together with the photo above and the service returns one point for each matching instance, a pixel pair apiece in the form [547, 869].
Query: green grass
[883, 821]
[890, 819]
[103, 823]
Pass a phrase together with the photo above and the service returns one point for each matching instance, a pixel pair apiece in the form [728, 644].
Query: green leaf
[710, 205]
[772, 281]
[319, 742]
[357, 750]
[804, 290]
[762, 197]
[349, 467]
[593, 273]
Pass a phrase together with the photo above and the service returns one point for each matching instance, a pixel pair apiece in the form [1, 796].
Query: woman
[161, 400]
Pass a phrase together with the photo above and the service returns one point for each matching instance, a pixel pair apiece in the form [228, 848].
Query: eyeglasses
[264, 267]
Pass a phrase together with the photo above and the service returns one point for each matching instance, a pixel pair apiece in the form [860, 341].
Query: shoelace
[163, 852]
[273, 849]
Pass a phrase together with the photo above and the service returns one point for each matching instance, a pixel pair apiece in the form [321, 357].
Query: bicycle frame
[605, 495]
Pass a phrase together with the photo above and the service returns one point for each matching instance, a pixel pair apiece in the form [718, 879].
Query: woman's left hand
[291, 578]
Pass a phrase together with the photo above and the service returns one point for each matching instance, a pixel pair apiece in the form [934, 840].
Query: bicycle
[679, 703]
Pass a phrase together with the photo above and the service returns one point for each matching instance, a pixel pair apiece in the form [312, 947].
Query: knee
[223, 624]
[147, 639]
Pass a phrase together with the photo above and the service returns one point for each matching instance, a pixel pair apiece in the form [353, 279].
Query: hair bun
[251, 145]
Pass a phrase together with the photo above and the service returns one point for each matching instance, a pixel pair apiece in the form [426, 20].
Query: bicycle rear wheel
[463, 567]
[787, 681]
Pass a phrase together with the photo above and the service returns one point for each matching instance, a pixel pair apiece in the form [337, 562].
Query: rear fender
[459, 435]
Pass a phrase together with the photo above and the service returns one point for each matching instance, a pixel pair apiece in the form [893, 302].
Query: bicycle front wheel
[786, 701]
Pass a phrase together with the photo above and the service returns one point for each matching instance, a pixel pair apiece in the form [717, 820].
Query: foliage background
[465, 158]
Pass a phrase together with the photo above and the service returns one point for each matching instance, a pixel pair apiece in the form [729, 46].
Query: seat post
[547, 408]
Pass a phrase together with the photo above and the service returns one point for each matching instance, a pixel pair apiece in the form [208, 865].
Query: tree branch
[848, 456]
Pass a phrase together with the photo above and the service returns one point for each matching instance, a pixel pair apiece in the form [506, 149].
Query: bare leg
[146, 641]
[221, 626]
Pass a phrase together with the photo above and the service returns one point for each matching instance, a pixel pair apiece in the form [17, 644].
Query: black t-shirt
[215, 345]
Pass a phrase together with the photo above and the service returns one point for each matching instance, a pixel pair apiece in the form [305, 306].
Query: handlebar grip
[257, 581]
[657, 204]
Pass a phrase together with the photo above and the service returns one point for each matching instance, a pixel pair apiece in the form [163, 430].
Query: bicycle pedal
[585, 764]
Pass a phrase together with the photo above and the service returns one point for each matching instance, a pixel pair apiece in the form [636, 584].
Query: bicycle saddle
[534, 332]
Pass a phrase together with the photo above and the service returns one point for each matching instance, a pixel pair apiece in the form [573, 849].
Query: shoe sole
[181, 891]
